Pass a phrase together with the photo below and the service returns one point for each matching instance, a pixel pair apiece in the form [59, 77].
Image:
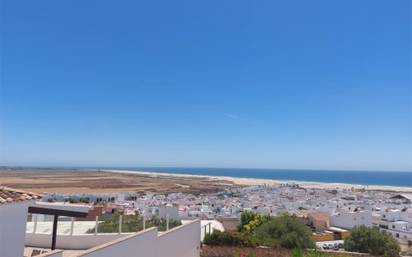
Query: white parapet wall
[182, 241]
[139, 244]
[71, 242]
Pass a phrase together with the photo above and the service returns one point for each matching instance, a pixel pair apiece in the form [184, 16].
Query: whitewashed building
[351, 219]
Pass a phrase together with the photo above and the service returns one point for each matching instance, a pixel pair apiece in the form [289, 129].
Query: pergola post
[120, 223]
[54, 235]
[35, 223]
[72, 226]
[144, 219]
[167, 220]
[96, 225]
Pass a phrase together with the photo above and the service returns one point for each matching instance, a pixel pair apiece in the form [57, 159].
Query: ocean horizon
[358, 177]
[380, 178]
[376, 178]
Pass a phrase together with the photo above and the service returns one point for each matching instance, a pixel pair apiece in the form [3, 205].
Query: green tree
[373, 241]
[245, 218]
[284, 232]
[255, 223]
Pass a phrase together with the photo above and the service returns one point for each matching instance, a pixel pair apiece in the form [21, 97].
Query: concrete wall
[74, 242]
[182, 241]
[13, 218]
[140, 244]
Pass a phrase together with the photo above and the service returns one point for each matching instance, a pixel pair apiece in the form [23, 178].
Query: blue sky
[263, 84]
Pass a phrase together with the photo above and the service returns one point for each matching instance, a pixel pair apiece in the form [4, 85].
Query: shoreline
[113, 180]
[272, 182]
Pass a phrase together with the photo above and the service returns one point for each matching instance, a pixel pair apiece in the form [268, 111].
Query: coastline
[112, 180]
[272, 182]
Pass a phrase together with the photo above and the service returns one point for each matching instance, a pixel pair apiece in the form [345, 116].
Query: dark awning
[58, 212]
[59, 209]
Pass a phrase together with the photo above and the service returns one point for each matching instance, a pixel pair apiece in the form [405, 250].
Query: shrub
[373, 241]
[229, 239]
[255, 223]
[245, 218]
[284, 232]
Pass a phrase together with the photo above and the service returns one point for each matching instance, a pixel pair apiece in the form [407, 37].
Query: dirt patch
[86, 181]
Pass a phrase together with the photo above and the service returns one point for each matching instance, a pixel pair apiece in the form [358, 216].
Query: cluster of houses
[332, 213]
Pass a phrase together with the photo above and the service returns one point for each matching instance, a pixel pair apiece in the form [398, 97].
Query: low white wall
[140, 244]
[182, 241]
[68, 242]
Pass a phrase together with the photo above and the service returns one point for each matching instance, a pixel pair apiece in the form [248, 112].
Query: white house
[349, 220]
[398, 223]
[13, 215]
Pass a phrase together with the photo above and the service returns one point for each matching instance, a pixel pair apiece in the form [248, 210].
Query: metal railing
[111, 224]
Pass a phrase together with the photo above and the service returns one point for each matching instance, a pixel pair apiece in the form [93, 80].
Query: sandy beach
[55, 180]
[273, 182]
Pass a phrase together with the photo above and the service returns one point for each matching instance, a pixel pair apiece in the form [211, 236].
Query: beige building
[319, 220]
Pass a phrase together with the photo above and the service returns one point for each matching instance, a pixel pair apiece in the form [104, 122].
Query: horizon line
[49, 166]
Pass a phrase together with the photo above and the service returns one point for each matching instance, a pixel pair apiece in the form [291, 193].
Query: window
[397, 235]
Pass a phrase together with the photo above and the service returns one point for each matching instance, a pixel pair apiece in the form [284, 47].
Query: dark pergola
[56, 213]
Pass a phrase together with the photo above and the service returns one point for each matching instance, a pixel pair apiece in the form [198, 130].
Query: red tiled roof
[10, 195]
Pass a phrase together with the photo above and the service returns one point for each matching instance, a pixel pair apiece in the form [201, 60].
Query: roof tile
[10, 195]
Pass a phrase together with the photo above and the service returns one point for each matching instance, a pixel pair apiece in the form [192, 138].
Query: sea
[379, 178]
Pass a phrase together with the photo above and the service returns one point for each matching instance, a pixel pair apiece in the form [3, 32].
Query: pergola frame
[56, 213]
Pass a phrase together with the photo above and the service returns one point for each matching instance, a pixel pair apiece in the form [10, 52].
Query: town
[177, 224]
[330, 213]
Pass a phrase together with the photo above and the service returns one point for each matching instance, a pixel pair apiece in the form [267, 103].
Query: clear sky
[263, 84]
